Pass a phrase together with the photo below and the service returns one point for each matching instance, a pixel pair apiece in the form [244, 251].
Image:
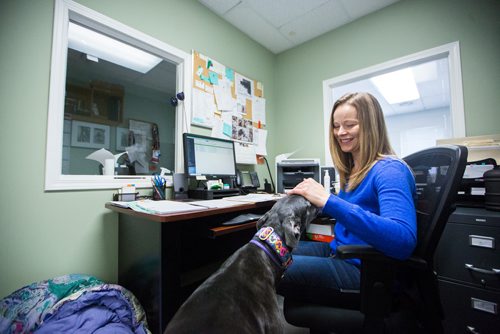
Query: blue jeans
[318, 277]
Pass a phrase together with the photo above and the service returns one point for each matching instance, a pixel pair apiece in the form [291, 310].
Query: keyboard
[243, 218]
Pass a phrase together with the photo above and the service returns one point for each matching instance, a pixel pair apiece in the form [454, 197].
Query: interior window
[113, 104]
[420, 95]
[112, 119]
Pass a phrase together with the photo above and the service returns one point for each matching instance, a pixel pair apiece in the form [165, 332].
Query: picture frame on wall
[122, 139]
[89, 135]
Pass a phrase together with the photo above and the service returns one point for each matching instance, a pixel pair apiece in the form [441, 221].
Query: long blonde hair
[373, 139]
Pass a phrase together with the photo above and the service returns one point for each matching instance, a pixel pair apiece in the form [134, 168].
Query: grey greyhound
[240, 297]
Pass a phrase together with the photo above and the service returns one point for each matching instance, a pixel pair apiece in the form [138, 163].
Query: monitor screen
[208, 156]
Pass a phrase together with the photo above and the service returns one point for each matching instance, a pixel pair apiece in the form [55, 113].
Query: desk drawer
[470, 253]
[468, 309]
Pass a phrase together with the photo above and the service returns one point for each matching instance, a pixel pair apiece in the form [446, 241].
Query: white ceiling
[279, 25]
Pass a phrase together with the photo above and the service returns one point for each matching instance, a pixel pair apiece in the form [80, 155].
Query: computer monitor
[211, 157]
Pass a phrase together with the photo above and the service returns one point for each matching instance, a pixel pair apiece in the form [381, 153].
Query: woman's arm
[393, 229]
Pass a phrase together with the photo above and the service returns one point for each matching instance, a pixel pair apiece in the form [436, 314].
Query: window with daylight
[420, 94]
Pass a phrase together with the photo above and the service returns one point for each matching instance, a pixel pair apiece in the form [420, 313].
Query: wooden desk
[162, 258]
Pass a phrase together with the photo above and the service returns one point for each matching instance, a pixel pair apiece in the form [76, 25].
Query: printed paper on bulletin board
[214, 80]
[230, 103]
[230, 89]
[207, 73]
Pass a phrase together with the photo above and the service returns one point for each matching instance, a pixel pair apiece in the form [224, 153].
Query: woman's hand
[313, 191]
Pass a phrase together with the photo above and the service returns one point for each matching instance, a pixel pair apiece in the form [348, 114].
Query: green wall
[46, 234]
[401, 29]
[43, 235]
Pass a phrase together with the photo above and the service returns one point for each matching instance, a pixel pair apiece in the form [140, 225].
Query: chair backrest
[438, 172]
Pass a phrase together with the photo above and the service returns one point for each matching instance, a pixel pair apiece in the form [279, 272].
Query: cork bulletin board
[231, 104]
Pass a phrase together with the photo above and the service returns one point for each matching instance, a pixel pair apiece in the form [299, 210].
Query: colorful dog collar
[273, 240]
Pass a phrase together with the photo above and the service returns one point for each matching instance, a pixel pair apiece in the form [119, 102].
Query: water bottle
[326, 181]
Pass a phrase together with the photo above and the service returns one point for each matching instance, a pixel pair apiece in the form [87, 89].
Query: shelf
[99, 102]
[484, 147]
[218, 231]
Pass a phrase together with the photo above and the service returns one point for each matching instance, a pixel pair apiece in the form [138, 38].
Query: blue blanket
[72, 304]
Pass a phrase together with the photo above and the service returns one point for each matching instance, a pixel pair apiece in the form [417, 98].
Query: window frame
[451, 51]
[64, 11]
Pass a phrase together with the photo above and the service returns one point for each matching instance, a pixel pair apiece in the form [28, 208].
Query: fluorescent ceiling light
[107, 48]
[398, 86]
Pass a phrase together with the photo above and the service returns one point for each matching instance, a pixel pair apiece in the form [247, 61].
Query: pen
[158, 190]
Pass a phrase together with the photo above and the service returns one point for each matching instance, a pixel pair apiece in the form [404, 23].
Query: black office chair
[396, 296]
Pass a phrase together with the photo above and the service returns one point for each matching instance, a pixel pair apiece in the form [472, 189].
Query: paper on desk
[215, 203]
[166, 206]
[129, 205]
[254, 198]
[158, 207]
[120, 204]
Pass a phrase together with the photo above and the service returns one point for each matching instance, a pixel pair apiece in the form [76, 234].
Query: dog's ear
[292, 231]
[262, 220]
[310, 214]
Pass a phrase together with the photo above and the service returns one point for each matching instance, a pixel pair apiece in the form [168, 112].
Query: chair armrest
[363, 252]
[366, 252]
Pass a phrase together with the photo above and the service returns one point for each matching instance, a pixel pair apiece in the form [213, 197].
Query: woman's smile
[346, 128]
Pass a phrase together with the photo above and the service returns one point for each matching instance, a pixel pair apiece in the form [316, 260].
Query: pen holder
[169, 192]
[125, 197]
[158, 192]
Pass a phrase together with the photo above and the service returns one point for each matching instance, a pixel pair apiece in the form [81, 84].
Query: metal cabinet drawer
[470, 254]
[468, 309]
[475, 216]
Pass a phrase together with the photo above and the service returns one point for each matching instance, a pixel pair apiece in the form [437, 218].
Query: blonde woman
[375, 204]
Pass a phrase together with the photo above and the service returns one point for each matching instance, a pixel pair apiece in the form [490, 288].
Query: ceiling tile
[437, 101]
[249, 22]
[280, 12]
[435, 87]
[220, 7]
[407, 107]
[282, 24]
[358, 8]
[320, 20]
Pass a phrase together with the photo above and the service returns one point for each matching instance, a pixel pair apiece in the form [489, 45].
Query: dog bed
[72, 304]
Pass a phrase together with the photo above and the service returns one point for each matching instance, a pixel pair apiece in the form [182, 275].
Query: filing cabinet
[468, 266]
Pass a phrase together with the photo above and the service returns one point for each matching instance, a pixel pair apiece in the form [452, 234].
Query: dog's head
[289, 217]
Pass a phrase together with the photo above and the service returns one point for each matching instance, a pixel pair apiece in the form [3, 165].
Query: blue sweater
[380, 212]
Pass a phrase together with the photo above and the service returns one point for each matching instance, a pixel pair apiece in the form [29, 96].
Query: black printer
[472, 188]
[291, 172]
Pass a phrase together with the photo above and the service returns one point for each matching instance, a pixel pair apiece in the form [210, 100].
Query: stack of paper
[320, 232]
[254, 198]
[166, 206]
[159, 207]
[215, 203]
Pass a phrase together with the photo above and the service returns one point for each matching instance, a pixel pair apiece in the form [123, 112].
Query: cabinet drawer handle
[493, 271]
